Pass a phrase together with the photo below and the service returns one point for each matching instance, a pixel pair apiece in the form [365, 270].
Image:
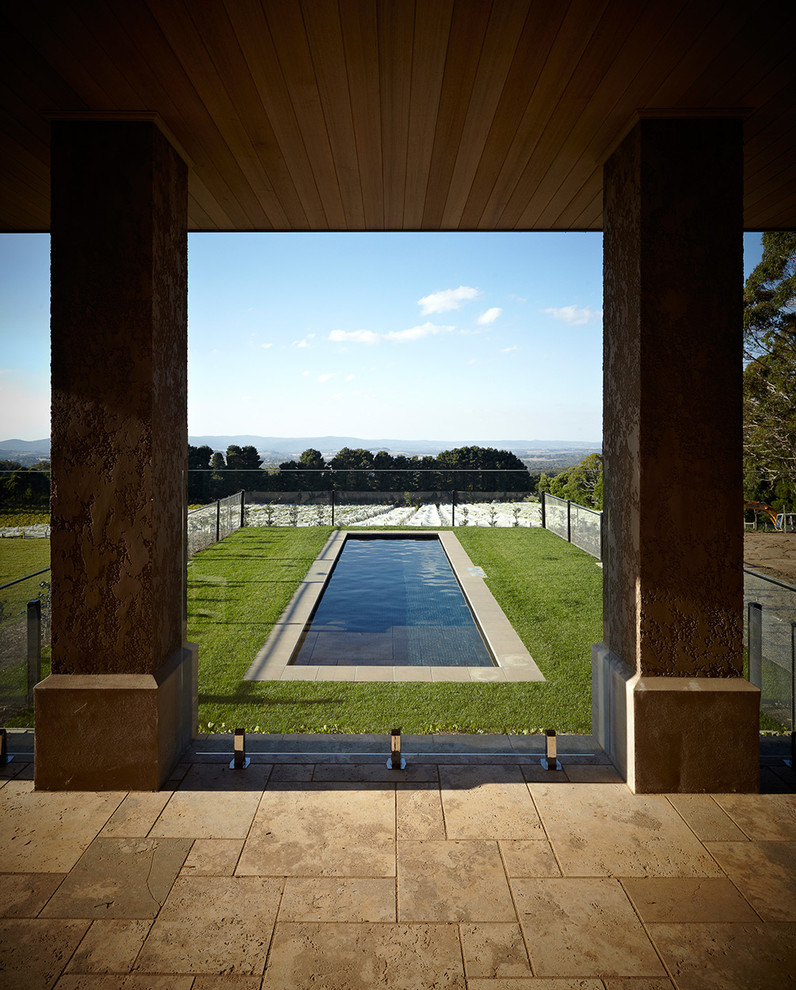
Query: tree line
[465, 469]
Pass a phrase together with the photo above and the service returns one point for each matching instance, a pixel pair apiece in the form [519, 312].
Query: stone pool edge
[514, 662]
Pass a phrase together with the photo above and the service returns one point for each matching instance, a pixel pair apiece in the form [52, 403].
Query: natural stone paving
[338, 874]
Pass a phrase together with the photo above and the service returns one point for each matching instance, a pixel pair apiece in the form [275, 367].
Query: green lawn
[551, 592]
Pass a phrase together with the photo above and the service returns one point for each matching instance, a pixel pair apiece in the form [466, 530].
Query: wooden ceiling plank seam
[767, 218]
[396, 26]
[182, 109]
[591, 217]
[261, 57]
[197, 216]
[27, 168]
[465, 41]
[722, 66]
[568, 216]
[194, 56]
[777, 157]
[19, 217]
[430, 44]
[542, 23]
[291, 44]
[51, 40]
[18, 123]
[502, 37]
[324, 33]
[360, 33]
[21, 192]
[191, 117]
[574, 96]
[212, 20]
[572, 39]
[612, 103]
[773, 181]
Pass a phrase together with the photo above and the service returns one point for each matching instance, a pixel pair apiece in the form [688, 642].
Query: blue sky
[413, 336]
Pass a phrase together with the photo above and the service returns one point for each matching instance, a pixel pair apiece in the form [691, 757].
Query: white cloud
[350, 378]
[305, 374]
[399, 336]
[508, 350]
[327, 377]
[354, 336]
[441, 302]
[415, 333]
[266, 346]
[573, 315]
[304, 342]
[489, 316]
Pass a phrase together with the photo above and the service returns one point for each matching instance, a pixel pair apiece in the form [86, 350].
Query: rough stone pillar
[117, 710]
[670, 705]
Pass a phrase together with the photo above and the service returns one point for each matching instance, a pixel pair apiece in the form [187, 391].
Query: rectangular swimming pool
[392, 602]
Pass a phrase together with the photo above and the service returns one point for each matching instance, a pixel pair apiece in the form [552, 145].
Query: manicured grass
[550, 591]
[19, 557]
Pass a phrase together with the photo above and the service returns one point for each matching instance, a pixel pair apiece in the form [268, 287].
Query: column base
[676, 734]
[103, 732]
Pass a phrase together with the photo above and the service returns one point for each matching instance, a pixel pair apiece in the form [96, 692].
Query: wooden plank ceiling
[397, 114]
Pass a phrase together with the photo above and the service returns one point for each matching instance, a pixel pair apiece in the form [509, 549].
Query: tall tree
[770, 373]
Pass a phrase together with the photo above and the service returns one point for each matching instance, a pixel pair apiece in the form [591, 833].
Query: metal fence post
[754, 624]
[544, 513]
[332, 495]
[453, 507]
[242, 508]
[569, 521]
[218, 520]
[793, 694]
[34, 646]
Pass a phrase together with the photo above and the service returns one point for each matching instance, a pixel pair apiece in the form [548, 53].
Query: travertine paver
[92, 981]
[136, 815]
[494, 951]
[365, 957]
[642, 983]
[419, 811]
[233, 982]
[213, 858]
[605, 830]
[532, 858]
[597, 773]
[194, 810]
[488, 802]
[706, 818]
[23, 895]
[583, 927]
[525, 984]
[109, 946]
[763, 817]
[338, 899]
[688, 899]
[119, 878]
[728, 957]
[42, 832]
[213, 925]
[764, 872]
[322, 830]
[34, 951]
[436, 881]
[375, 773]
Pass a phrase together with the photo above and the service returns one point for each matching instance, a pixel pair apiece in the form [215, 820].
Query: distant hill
[25, 452]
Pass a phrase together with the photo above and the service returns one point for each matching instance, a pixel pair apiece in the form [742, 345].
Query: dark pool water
[393, 602]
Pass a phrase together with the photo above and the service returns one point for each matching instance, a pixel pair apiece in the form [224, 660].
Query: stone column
[117, 710]
[670, 704]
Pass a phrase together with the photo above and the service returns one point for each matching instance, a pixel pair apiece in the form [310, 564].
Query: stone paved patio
[318, 867]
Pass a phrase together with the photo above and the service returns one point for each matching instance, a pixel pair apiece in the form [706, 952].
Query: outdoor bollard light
[4, 757]
[241, 761]
[396, 761]
[549, 760]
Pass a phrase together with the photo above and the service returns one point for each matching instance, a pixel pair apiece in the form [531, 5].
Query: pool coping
[514, 661]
